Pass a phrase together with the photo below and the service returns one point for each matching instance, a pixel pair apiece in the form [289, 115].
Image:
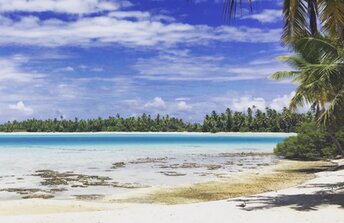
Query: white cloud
[21, 107]
[281, 101]
[186, 67]
[266, 16]
[111, 25]
[68, 91]
[183, 106]
[138, 15]
[12, 72]
[183, 99]
[160, 106]
[243, 103]
[59, 6]
[240, 101]
[90, 68]
[145, 30]
[156, 103]
[65, 69]
[277, 103]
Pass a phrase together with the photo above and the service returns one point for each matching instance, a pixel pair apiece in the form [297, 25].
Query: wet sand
[81, 175]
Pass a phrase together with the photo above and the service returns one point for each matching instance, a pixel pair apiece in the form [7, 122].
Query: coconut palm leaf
[332, 16]
[334, 111]
[318, 68]
[295, 20]
[282, 75]
[319, 47]
[300, 99]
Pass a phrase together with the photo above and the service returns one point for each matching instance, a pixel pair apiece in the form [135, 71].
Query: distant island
[253, 120]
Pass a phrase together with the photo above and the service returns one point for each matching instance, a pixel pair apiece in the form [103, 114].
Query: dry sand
[318, 200]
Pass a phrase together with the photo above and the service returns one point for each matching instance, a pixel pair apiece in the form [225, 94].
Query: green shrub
[311, 143]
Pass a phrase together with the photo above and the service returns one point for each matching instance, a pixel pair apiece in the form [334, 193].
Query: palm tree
[301, 17]
[319, 56]
[318, 70]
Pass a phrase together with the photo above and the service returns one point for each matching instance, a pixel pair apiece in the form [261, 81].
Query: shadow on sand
[331, 194]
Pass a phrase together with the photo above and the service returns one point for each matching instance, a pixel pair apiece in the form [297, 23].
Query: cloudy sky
[95, 58]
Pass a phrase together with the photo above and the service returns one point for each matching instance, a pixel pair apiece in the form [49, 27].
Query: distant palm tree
[319, 71]
[301, 17]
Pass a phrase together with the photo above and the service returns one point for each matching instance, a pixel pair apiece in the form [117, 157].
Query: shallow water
[149, 159]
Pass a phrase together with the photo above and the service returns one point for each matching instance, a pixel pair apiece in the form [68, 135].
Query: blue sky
[95, 58]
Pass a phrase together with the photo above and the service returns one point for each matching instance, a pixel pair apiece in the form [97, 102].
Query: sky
[96, 58]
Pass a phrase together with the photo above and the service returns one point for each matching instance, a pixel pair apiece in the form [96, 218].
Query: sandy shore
[318, 200]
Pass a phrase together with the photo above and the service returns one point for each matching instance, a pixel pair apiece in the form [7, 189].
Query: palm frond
[282, 75]
[319, 47]
[332, 16]
[295, 25]
[299, 99]
[334, 111]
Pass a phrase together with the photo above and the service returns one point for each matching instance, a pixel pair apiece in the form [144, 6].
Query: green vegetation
[318, 69]
[311, 143]
[314, 32]
[253, 120]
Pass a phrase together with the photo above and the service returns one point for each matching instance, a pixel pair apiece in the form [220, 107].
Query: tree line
[253, 120]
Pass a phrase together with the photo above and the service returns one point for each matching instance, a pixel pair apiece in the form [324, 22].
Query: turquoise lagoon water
[21, 155]
[143, 141]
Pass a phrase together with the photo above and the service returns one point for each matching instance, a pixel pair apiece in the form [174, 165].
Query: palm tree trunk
[337, 143]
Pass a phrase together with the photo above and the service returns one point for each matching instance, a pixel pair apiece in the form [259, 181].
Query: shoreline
[249, 176]
[306, 202]
[152, 133]
[281, 175]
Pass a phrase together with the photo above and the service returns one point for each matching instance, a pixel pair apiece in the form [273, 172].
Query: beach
[311, 201]
[108, 178]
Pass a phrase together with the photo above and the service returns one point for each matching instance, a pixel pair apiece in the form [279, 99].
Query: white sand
[319, 200]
